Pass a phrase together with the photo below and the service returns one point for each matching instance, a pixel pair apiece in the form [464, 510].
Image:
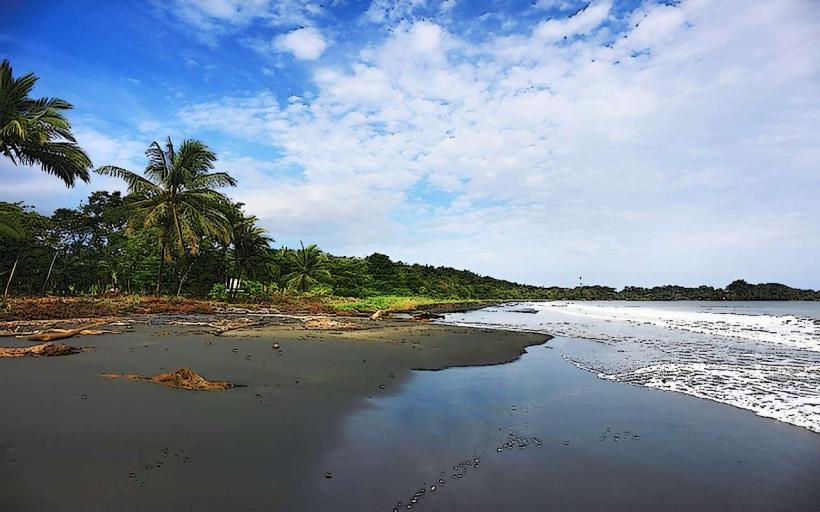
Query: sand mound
[183, 378]
[47, 349]
[325, 323]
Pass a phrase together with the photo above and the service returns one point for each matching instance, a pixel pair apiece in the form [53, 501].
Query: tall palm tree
[35, 132]
[309, 267]
[177, 195]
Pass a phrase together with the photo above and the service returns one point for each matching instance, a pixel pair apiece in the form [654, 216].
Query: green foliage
[218, 292]
[35, 132]
[177, 195]
[309, 267]
[93, 252]
[392, 302]
[255, 290]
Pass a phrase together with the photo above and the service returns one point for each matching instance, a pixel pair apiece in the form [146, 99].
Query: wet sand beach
[73, 440]
[349, 420]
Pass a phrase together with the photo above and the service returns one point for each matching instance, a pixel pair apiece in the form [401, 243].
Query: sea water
[760, 356]
[542, 434]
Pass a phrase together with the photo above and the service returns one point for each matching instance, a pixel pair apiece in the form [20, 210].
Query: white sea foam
[759, 357]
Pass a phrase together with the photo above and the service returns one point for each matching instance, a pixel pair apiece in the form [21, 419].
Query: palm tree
[35, 132]
[250, 241]
[177, 195]
[309, 267]
[11, 227]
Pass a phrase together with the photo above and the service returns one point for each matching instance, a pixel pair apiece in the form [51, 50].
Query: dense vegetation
[99, 247]
[176, 233]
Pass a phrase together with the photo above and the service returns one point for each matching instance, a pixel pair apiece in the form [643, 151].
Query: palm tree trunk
[11, 276]
[183, 277]
[161, 264]
[50, 268]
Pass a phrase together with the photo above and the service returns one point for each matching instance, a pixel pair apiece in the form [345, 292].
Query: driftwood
[8, 334]
[47, 349]
[183, 378]
[382, 313]
[60, 334]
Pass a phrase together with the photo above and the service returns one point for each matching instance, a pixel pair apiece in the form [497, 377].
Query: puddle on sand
[549, 436]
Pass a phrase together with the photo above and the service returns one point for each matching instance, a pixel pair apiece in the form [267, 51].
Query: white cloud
[35, 187]
[671, 154]
[216, 18]
[305, 43]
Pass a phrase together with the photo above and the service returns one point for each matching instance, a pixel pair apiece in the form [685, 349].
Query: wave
[756, 359]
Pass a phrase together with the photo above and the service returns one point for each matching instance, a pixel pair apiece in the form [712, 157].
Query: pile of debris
[47, 337]
[183, 378]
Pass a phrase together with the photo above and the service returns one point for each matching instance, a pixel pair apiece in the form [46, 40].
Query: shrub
[218, 292]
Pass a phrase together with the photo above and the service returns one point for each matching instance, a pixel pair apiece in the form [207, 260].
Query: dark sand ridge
[124, 445]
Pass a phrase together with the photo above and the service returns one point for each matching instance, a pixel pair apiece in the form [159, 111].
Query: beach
[353, 418]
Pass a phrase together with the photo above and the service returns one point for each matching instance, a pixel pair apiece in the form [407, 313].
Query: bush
[320, 290]
[255, 290]
[218, 292]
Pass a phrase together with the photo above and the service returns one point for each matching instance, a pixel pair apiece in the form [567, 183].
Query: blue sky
[630, 142]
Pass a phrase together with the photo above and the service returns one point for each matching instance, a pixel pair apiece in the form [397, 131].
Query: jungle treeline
[91, 250]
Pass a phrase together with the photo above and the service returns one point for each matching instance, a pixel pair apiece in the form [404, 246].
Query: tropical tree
[11, 228]
[178, 195]
[10, 225]
[251, 243]
[308, 267]
[35, 132]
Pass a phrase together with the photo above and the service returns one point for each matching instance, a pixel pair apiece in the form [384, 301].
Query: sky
[627, 142]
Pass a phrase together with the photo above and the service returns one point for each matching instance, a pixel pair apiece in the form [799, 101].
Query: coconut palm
[35, 132]
[250, 241]
[177, 195]
[309, 267]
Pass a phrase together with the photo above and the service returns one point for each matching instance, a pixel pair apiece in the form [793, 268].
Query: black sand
[347, 404]
[72, 440]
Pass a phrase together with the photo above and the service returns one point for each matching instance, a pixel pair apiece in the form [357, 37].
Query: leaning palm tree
[309, 267]
[177, 195]
[35, 132]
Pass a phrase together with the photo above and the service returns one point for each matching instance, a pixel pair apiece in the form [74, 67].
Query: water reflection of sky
[761, 356]
[687, 450]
